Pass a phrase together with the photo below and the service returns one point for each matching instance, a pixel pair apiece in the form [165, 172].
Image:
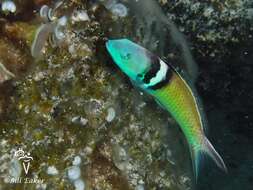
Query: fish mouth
[108, 45]
[112, 43]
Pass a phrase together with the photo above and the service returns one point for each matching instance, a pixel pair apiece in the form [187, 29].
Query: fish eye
[126, 56]
[141, 76]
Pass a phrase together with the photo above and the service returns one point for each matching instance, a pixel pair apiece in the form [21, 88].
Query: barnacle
[119, 9]
[44, 13]
[116, 8]
[49, 14]
[40, 39]
[79, 15]
[5, 74]
[8, 7]
[53, 28]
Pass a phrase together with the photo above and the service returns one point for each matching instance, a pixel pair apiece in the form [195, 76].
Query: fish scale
[177, 99]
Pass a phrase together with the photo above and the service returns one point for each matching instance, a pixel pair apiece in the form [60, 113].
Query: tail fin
[198, 153]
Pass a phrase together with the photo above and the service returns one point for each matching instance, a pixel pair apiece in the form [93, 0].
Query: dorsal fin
[197, 100]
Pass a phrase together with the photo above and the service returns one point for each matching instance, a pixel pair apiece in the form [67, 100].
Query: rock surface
[84, 124]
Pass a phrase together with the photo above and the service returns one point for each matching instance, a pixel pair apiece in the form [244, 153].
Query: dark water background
[226, 89]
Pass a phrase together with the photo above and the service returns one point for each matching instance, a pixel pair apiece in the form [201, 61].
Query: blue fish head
[131, 58]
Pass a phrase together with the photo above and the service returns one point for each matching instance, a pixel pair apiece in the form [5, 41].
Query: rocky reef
[213, 27]
[64, 101]
[68, 102]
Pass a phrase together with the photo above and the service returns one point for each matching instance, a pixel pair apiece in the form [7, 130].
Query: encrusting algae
[69, 101]
[73, 80]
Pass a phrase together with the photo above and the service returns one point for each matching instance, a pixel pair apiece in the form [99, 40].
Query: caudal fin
[197, 154]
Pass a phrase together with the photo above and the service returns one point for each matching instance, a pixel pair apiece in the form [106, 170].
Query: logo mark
[25, 158]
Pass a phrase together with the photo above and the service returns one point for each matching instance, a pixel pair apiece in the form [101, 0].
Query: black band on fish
[155, 67]
[165, 80]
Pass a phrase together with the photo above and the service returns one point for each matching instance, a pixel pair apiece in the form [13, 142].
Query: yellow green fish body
[166, 85]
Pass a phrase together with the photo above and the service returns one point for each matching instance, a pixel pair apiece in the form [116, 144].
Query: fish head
[131, 58]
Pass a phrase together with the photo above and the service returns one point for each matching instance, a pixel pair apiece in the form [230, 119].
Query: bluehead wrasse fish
[167, 86]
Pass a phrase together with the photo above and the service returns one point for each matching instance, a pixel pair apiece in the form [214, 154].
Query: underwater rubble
[64, 101]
